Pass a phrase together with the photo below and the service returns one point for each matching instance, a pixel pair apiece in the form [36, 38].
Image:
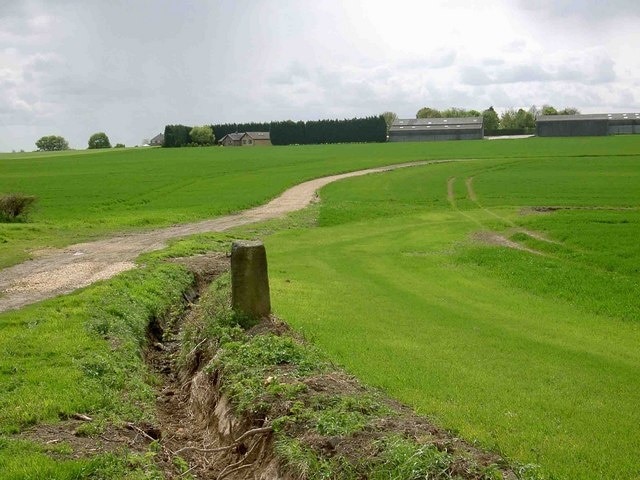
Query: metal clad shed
[436, 129]
[587, 125]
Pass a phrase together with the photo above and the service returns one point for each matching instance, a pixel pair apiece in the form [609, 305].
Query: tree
[389, 118]
[455, 112]
[428, 112]
[518, 119]
[491, 120]
[176, 136]
[202, 135]
[508, 119]
[99, 140]
[119, 145]
[52, 143]
[548, 110]
[569, 111]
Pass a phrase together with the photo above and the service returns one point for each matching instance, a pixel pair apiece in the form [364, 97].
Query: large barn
[587, 125]
[435, 129]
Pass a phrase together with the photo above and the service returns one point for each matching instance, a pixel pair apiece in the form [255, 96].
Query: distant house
[246, 139]
[598, 124]
[435, 129]
[231, 140]
[157, 141]
[256, 139]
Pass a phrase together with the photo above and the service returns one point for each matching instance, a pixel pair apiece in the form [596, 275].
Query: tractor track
[61, 271]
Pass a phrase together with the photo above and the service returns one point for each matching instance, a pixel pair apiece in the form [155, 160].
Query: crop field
[498, 296]
[497, 293]
[89, 194]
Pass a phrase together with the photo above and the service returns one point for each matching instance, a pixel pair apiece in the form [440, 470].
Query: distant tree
[389, 118]
[569, 111]
[428, 112]
[525, 119]
[459, 113]
[491, 119]
[52, 143]
[508, 119]
[99, 140]
[176, 136]
[119, 145]
[517, 119]
[548, 110]
[202, 135]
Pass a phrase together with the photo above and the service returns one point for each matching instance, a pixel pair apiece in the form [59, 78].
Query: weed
[14, 206]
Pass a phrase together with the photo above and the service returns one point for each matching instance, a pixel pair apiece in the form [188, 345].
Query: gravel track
[60, 271]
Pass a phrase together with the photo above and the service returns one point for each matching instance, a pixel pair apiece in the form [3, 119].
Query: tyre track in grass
[61, 271]
[485, 235]
[471, 193]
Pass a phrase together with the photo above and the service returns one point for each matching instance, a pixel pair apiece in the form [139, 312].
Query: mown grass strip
[534, 355]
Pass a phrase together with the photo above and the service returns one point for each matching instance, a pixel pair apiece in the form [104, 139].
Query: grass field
[534, 354]
[88, 194]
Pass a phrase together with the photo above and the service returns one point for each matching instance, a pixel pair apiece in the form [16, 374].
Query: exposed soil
[66, 440]
[494, 238]
[60, 271]
[553, 208]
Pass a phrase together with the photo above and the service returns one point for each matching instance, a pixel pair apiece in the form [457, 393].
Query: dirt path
[62, 271]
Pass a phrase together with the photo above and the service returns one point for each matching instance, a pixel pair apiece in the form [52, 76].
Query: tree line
[511, 121]
[369, 129]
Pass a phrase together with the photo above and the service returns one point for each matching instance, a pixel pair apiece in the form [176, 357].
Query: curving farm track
[64, 270]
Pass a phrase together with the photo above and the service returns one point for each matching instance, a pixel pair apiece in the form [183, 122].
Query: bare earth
[60, 271]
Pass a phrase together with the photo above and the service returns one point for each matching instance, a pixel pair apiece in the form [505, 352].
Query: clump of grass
[306, 463]
[249, 367]
[15, 206]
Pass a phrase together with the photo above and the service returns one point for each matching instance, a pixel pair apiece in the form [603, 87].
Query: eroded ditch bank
[246, 400]
[241, 400]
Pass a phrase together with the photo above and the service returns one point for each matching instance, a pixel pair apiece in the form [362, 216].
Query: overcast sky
[129, 67]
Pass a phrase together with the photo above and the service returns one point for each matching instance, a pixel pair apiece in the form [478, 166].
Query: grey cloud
[589, 69]
[588, 10]
[492, 61]
[474, 75]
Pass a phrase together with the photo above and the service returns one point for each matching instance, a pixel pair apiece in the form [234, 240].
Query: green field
[89, 194]
[531, 353]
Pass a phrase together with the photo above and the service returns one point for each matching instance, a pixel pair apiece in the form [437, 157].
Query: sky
[129, 67]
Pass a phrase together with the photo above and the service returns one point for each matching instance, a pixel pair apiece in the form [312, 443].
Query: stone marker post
[249, 278]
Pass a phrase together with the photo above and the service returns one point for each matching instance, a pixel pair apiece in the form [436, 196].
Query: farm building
[256, 139]
[157, 141]
[435, 129]
[587, 125]
[246, 139]
[231, 140]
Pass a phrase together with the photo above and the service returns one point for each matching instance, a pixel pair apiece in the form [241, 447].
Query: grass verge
[81, 354]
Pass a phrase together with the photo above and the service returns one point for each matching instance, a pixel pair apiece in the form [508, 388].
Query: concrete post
[249, 278]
